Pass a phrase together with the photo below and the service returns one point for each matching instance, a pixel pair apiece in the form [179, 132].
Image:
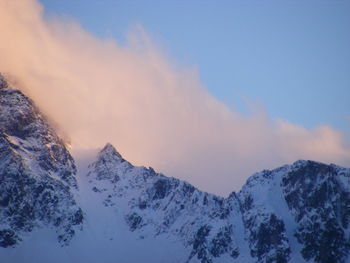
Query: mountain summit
[109, 152]
[118, 212]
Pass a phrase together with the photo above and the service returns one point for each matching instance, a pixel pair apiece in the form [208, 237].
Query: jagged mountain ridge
[295, 213]
[161, 205]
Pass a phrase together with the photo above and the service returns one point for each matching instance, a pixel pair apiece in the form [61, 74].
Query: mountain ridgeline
[118, 212]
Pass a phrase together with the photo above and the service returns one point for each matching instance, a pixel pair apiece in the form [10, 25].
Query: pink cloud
[156, 113]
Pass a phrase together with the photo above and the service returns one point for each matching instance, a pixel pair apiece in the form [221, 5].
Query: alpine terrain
[113, 211]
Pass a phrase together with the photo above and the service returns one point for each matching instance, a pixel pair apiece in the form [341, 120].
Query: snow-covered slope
[112, 211]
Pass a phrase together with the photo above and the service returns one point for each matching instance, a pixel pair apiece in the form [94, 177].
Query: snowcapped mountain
[295, 213]
[36, 173]
[153, 205]
[114, 211]
[298, 212]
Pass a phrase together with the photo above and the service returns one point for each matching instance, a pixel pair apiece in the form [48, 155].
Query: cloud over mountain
[155, 111]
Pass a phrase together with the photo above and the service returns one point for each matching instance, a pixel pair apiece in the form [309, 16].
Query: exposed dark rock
[321, 206]
[134, 221]
[200, 245]
[8, 238]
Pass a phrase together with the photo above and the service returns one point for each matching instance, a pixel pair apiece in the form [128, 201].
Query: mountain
[298, 212]
[114, 211]
[37, 173]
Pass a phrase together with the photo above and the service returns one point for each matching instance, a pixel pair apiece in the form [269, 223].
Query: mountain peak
[302, 163]
[109, 150]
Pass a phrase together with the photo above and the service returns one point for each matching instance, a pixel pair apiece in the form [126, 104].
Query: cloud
[154, 111]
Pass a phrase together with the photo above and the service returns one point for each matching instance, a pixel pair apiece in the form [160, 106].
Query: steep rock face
[319, 199]
[297, 213]
[265, 228]
[36, 173]
[155, 205]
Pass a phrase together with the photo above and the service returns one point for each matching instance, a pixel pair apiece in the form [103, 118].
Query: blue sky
[292, 57]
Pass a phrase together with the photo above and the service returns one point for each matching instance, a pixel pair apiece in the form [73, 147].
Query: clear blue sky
[291, 56]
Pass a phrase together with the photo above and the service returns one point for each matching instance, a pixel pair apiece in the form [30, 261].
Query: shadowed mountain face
[119, 212]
